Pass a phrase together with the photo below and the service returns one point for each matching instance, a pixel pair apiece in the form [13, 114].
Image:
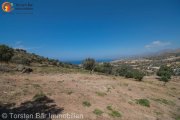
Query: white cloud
[157, 44]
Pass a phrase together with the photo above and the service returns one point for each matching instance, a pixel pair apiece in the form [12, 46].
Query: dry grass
[70, 90]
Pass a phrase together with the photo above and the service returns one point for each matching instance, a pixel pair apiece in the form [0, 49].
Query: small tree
[104, 68]
[138, 75]
[164, 79]
[122, 70]
[5, 53]
[165, 73]
[89, 64]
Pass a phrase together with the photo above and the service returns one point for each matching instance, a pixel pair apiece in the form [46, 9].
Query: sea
[77, 62]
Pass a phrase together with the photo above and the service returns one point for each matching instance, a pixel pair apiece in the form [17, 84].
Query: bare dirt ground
[69, 91]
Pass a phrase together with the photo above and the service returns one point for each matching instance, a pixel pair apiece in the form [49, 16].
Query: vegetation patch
[39, 96]
[102, 94]
[129, 72]
[177, 118]
[36, 85]
[109, 107]
[86, 104]
[69, 92]
[98, 112]
[143, 102]
[113, 113]
[165, 73]
[164, 101]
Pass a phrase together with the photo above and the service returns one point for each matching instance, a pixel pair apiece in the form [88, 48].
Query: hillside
[22, 60]
[33, 84]
[152, 62]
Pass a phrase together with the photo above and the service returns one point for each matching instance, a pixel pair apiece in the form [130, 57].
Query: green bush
[5, 53]
[129, 74]
[138, 75]
[89, 64]
[20, 60]
[86, 104]
[143, 102]
[165, 73]
[115, 113]
[122, 70]
[104, 68]
[39, 96]
[98, 112]
[165, 79]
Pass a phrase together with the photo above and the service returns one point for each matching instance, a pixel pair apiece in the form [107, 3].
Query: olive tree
[5, 53]
[89, 64]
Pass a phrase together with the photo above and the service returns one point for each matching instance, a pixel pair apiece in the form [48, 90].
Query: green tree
[104, 68]
[165, 73]
[5, 53]
[165, 79]
[123, 70]
[89, 64]
[138, 75]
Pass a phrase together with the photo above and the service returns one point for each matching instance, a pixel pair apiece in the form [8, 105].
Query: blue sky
[102, 29]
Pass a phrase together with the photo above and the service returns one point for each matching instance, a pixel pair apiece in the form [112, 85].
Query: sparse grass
[102, 94]
[143, 102]
[109, 107]
[36, 85]
[158, 113]
[164, 101]
[123, 84]
[98, 112]
[108, 89]
[115, 113]
[69, 92]
[177, 118]
[54, 69]
[39, 96]
[86, 104]
[27, 79]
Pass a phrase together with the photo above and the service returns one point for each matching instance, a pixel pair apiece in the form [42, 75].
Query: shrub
[39, 96]
[138, 75]
[129, 74]
[102, 94]
[122, 70]
[115, 113]
[104, 68]
[165, 73]
[89, 64]
[86, 104]
[164, 101]
[143, 102]
[109, 107]
[20, 60]
[98, 112]
[5, 53]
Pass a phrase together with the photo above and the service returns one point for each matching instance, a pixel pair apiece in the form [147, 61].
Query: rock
[4, 68]
[20, 68]
[27, 70]
[23, 69]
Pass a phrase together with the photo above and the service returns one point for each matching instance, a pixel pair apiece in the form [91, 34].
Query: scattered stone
[23, 69]
[27, 70]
